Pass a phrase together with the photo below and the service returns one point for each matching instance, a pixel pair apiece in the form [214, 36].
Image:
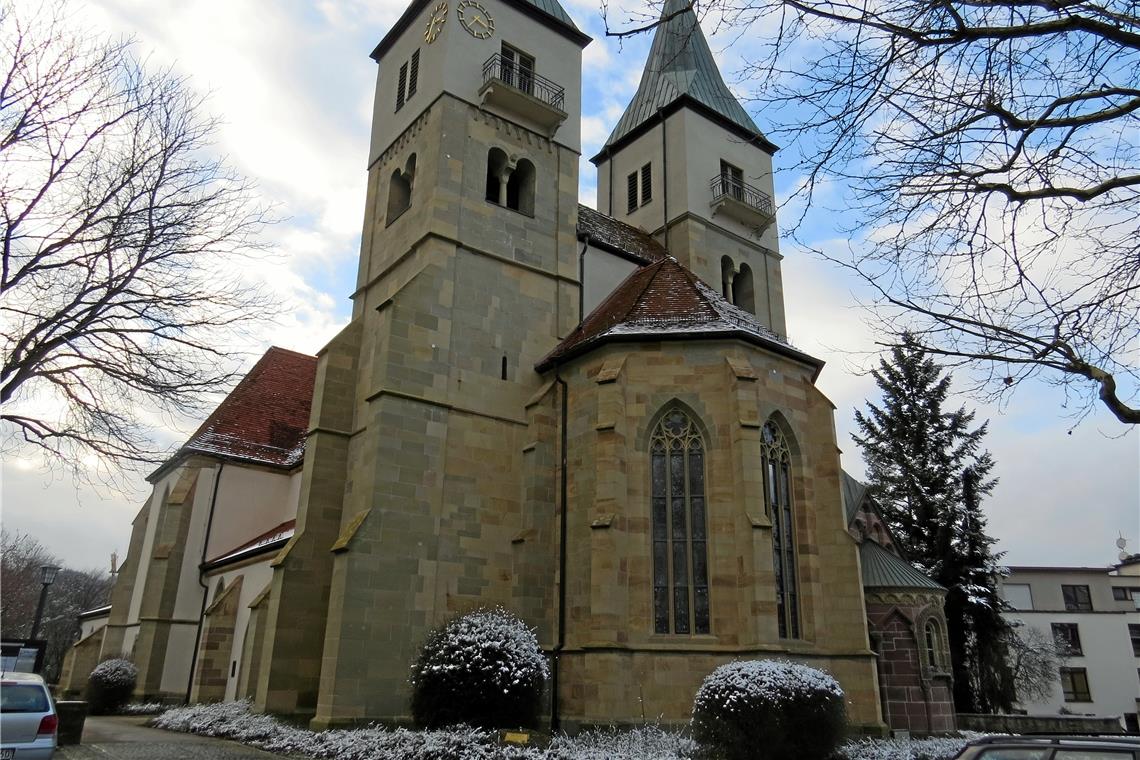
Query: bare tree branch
[122, 244]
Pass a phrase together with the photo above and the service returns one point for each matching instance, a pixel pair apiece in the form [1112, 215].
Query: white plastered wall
[601, 273]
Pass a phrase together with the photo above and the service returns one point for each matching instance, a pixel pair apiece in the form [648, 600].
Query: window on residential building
[1019, 595]
[518, 69]
[777, 468]
[1134, 634]
[1077, 598]
[1075, 685]
[1067, 638]
[678, 524]
[639, 188]
[408, 80]
[1121, 593]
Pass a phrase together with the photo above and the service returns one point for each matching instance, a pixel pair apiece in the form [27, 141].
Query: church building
[592, 418]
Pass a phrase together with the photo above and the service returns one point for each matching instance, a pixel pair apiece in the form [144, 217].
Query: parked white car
[28, 721]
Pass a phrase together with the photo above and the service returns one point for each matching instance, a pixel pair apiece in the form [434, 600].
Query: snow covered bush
[484, 669]
[769, 710]
[644, 743]
[110, 686]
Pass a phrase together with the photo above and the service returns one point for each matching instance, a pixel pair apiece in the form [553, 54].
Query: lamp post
[47, 577]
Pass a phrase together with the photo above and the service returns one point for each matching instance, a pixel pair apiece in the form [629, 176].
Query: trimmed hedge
[110, 685]
[484, 669]
[769, 710]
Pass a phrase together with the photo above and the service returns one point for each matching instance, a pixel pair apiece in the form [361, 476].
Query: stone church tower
[592, 419]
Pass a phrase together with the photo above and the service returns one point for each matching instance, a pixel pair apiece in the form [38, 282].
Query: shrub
[484, 669]
[771, 710]
[110, 686]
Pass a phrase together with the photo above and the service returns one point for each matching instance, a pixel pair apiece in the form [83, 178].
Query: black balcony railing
[725, 185]
[507, 70]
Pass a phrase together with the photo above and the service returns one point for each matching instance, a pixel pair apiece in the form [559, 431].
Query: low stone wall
[1039, 724]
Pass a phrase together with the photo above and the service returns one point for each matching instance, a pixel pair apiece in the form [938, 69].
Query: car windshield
[23, 698]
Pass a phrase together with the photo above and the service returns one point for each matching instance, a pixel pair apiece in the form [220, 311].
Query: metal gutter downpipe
[560, 644]
[205, 587]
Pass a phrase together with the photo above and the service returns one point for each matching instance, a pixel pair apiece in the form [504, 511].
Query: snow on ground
[234, 720]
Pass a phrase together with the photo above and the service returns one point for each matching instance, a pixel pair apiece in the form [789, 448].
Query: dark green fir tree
[928, 471]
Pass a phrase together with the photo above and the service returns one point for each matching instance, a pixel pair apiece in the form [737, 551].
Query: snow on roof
[664, 299]
[96, 612]
[607, 232]
[263, 420]
[255, 546]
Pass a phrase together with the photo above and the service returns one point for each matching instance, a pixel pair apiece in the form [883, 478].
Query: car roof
[12, 675]
[1067, 740]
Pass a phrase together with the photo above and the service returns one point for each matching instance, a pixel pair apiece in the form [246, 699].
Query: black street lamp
[47, 577]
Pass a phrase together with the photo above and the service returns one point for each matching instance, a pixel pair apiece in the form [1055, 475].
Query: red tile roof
[264, 419]
[664, 300]
[607, 232]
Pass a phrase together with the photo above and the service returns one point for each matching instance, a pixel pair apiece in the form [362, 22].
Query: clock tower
[410, 506]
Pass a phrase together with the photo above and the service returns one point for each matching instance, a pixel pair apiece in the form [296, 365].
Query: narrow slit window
[401, 84]
[503, 368]
[414, 74]
[646, 184]
[631, 191]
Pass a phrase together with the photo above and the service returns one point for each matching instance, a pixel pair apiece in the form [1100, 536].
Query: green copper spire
[680, 65]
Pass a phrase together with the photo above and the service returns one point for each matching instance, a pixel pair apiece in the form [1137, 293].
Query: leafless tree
[991, 163]
[123, 243]
[1035, 659]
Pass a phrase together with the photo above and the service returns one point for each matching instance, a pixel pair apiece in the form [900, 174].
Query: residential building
[1091, 614]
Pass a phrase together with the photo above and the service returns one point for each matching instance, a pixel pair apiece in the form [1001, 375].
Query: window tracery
[777, 461]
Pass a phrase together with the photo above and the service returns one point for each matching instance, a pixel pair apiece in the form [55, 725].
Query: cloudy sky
[292, 84]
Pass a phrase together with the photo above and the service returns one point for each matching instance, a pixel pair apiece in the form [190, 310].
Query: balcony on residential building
[738, 200]
[513, 86]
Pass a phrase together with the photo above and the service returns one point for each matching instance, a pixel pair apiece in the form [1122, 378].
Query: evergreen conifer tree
[927, 471]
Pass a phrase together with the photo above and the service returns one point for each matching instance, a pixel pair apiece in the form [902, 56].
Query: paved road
[127, 738]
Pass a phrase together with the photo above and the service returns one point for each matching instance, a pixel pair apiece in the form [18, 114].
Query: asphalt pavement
[128, 738]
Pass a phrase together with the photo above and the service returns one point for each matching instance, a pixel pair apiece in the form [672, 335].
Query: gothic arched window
[777, 467]
[930, 634]
[680, 552]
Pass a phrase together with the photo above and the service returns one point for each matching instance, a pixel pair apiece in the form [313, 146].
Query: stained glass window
[776, 466]
[677, 517]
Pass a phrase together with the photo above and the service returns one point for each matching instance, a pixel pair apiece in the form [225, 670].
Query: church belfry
[468, 274]
[688, 165]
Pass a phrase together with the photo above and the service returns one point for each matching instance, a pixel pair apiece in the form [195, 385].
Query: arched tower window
[742, 290]
[777, 463]
[400, 189]
[510, 185]
[520, 188]
[680, 552]
[727, 270]
[497, 172]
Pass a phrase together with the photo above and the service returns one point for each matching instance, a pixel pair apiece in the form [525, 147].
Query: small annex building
[591, 417]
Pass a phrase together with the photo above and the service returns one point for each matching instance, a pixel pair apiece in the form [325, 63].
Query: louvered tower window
[777, 461]
[680, 553]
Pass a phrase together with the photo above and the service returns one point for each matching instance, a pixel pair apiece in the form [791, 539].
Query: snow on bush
[649, 743]
[484, 669]
[933, 748]
[110, 685]
[143, 708]
[794, 712]
[235, 721]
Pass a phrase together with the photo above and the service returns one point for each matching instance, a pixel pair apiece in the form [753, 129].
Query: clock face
[475, 19]
[435, 22]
